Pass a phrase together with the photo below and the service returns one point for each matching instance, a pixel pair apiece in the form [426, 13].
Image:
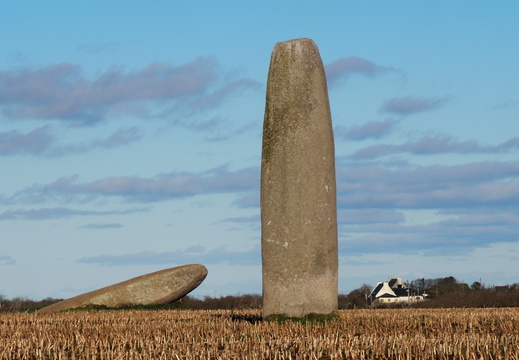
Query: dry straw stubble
[185, 334]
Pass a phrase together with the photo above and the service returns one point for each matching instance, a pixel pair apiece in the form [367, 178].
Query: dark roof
[392, 282]
[398, 292]
[377, 289]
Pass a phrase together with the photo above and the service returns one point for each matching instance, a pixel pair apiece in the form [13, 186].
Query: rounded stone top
[297, 47]
[297, 41]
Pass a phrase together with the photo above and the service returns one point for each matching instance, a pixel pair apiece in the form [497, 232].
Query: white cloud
[41, 142]
[121, 137]
[461, 234]
[430, 145]
[411, 105]
[133, 188]
[347, 66]
[369, 216]
[371, 129]
[34, 142]
[62, 92]
[478, 184]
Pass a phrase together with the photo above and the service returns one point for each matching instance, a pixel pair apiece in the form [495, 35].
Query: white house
[393, 291]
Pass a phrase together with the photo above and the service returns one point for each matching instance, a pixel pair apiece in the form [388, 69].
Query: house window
[388, 300]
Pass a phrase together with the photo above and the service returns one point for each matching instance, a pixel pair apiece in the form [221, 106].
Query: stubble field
[240, 334]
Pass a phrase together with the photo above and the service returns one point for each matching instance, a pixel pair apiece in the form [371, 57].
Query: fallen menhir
[160, 287]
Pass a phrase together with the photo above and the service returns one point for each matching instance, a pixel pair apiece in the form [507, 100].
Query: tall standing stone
[298, 193]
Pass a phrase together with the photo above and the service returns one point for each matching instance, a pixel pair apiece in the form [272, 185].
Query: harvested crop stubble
[186, 334]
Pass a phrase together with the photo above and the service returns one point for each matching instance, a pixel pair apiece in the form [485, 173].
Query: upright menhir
[298, 191]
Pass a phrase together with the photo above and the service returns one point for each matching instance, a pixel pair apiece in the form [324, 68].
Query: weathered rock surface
[159, 287]
[298, 190]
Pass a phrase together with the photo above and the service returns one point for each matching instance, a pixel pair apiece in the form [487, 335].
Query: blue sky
[130, 139]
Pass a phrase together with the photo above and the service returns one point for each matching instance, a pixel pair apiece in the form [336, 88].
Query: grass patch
[307, 319]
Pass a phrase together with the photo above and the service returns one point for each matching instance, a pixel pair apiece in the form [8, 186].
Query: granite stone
[160, 287]
[298, 186]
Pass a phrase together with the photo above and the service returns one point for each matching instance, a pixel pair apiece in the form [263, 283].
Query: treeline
[441, 293]
[448, 292]
[21, 304]
[445, 292]
[246, 301]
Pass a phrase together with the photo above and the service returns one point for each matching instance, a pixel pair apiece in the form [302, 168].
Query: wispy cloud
[371, 129]
[456, 236]
[63, 92]
[34, 142]
[439, 144]
[506, 105]
[252, 222]
[121, 137]
[474, 185]
[409, 105]
[60, 213]
[370, 216]
[193, 254]
[102, 226]
[244, 219]
[41, 142]
[347, 66]
[359, 186]
[218, 128]
[222, 135]
[250, 200]
[7, 260]
[134, 188]
[478, 199]
[214, 98]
